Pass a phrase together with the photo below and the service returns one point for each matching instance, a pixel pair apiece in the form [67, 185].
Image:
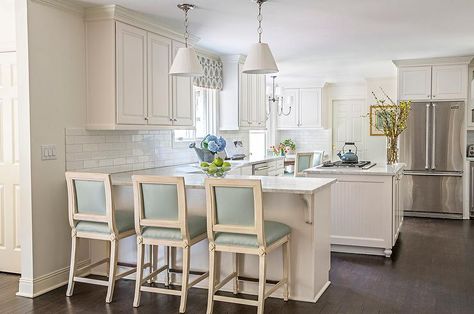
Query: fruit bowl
[218, 168]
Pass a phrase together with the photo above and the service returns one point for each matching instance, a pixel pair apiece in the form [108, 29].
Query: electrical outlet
[48, 152]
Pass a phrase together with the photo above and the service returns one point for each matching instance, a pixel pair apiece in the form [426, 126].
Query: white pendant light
[260, 59]
[186, 62]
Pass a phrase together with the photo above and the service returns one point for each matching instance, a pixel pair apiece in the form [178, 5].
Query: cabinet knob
[428, 96]
[171, 119]
[175, 120]
[434, 96]
[146, 118]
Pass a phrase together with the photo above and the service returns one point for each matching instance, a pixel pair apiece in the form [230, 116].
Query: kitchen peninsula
[302, 203]
[366, 209]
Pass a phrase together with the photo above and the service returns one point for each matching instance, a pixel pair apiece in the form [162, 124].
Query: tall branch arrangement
[393, 116]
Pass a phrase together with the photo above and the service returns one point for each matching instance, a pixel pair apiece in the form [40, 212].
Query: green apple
[226, 164]
[204, 164]
[218, 161]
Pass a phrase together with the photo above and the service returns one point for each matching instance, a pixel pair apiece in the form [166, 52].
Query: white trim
[31, 288]
[434, 61]
[320, 293]
[64, 5]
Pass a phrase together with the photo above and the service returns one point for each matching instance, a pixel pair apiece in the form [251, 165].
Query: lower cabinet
[366, 213]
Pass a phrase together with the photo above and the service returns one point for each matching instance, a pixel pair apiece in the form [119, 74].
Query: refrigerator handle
[427, 137]
[433, 138]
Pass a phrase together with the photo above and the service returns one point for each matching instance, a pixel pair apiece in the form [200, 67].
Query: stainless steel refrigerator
[432, 148]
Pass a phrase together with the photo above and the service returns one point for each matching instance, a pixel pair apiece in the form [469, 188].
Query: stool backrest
[234, 206]
[318, 158]
[160, 202]
[303, 161]
[90, 198]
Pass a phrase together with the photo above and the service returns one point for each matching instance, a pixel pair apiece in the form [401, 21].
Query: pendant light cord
[259, 19]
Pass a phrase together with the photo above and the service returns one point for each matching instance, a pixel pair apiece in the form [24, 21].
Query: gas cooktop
[360, 164]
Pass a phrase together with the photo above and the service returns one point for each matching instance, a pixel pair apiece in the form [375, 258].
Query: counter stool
[161, 219]
[235, 224]
[303, 161]
[92, 216]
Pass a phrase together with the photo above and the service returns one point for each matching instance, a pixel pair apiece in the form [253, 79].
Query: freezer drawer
[433, 194]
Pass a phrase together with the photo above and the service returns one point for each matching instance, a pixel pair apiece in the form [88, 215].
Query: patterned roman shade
[212, 77]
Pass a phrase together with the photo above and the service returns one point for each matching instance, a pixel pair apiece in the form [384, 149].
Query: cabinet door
[131, 74]
[244, 106]
[310, 108]
[261, 99]
[290, 99]
[414, 83]
[449, 82]
[183, 104]
[159, 81]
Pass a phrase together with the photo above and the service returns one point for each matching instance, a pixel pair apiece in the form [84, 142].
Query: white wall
[56, 56]
[7, 25]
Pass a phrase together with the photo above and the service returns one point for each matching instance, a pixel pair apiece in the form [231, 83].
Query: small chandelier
[260, 59]
[186, 62]
[275, 98]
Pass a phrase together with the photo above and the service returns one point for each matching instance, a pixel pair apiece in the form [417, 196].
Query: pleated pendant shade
[186, 63]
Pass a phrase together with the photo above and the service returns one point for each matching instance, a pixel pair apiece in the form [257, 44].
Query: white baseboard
[31, 288]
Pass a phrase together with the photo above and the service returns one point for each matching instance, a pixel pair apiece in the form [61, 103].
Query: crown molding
[68, 6]
[135, 18]
[233, 58]
[434, 61]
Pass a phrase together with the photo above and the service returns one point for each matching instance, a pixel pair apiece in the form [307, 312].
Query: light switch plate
[48, 152]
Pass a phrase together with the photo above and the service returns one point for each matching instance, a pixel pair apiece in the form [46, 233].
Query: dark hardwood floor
[431, 271]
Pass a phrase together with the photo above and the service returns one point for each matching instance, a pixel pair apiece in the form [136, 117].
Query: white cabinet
[131, 75]
[306, 109]
[414, 83]
[160, 109]
[437, 82]
[449, 82]
[252, 101]
[290, 100]
[128, 85]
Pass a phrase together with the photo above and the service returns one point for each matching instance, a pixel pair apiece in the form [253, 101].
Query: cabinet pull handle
[428, 96]
[434, 96]
[146, 118]
[171, 119]
[175, 120]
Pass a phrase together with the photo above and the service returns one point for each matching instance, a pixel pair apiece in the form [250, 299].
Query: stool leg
[185, 280]
[72, 267]
[139, 277]
[261, 283]
[286, 269]
[154, 261]
[112, 270]
[151, 258]
[236, 262]
[107, 252]
[212, 279]
[167, 263]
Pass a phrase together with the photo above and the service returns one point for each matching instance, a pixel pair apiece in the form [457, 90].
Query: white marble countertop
[196, 181]
[377, 170]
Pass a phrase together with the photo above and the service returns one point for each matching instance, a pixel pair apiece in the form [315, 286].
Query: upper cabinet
[443, 79]
[243, 98]
[414, 83]
[252, 101]
[128, 85]
[306, 109]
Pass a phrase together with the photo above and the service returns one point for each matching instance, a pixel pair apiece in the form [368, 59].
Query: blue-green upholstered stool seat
[124, 221]
[273, 230]
[196, 226]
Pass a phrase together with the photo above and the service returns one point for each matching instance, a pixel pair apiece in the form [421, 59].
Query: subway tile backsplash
[308, 140]
[118, 151]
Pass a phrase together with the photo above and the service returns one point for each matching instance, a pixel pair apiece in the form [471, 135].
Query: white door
[348, 126]
[290, 99]
[159, 81]
[449, 82]
[9, 166]
[183, 105]
[414, 83]
[310, 107]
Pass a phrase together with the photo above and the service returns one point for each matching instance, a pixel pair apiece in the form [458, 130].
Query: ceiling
[326, 40]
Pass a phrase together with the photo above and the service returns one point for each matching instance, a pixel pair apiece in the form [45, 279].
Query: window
[205, 102]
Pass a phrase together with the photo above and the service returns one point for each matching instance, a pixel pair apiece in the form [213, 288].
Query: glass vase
[392, 150]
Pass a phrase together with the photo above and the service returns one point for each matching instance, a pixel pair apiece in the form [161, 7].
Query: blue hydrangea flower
[213, 146]
[221, 142]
